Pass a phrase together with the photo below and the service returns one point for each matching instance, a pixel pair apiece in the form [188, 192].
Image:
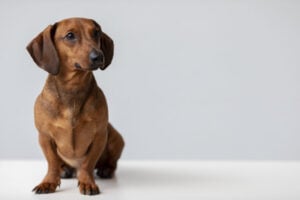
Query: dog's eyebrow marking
[71, 30]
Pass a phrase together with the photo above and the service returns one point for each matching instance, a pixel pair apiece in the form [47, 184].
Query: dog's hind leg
[66, 171]
[107, 163]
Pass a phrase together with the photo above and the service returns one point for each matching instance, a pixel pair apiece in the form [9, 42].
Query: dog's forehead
[76, 24]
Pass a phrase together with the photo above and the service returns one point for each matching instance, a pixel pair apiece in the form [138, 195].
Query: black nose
[96, 57]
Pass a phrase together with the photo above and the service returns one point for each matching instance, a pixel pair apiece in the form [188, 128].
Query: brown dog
[71, 112]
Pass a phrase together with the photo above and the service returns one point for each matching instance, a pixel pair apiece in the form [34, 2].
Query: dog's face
[73, 44]
[78, 43]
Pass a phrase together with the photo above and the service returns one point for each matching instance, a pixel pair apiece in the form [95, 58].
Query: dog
[71, 113]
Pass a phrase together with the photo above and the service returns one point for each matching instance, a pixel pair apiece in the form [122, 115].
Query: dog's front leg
[52, 178]
[86, 181]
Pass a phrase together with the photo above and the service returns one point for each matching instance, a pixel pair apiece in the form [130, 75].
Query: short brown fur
[71, 112]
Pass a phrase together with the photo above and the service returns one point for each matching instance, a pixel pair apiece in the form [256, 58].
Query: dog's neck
[74, 81]
[71, 89]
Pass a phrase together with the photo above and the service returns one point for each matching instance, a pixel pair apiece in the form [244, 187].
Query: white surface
[166, 180]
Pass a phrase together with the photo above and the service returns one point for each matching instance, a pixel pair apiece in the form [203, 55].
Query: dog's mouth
[90, 68]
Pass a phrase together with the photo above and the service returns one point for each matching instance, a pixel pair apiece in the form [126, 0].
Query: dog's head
[75, 44]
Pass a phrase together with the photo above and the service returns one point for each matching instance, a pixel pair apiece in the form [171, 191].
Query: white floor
[141, 180]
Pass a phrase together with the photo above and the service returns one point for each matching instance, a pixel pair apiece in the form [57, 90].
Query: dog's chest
[73, 133]
[72, 123]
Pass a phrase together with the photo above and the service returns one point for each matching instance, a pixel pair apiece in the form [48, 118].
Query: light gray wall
[190, 79]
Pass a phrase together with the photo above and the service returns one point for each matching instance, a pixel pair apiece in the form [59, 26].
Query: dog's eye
[70, 36]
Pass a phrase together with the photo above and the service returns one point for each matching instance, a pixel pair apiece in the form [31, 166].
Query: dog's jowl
[71, 113]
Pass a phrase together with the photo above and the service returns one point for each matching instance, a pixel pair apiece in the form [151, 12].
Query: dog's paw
[45, 188]
[105, 172]
[88, 189]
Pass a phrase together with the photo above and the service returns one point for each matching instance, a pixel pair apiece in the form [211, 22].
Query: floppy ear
[43, 52]
[107, 47]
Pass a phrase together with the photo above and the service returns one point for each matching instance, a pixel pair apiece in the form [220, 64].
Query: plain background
[189, 80]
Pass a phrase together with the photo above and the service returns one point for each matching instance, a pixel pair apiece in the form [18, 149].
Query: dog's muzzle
[96, 58]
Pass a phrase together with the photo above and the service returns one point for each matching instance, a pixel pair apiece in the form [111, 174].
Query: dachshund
[71, 113]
